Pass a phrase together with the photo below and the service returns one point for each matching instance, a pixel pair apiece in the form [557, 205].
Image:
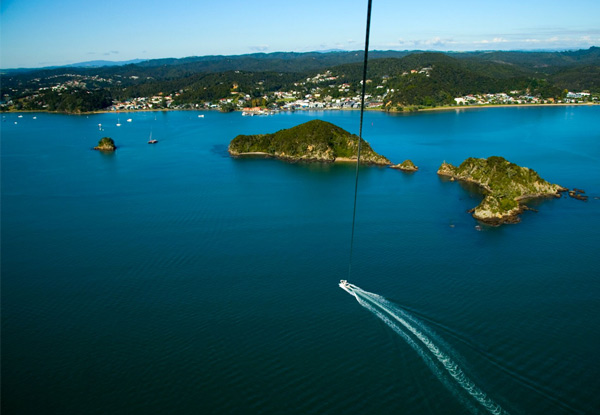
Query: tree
[228, 107]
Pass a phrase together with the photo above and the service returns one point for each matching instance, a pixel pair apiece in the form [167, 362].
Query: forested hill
[547, 62]
[398, 78]
[443, 77]
[309, 61]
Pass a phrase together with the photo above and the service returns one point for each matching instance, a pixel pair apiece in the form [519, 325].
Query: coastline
[338, 160]
[457, 107]
[254, 153]
[491, 210]
[290, 159]
[429, 109]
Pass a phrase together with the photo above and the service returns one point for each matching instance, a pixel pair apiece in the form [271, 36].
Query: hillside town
[295, 100]
[320, 92]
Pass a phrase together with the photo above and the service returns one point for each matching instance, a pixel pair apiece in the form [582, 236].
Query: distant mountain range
[299, 62]
[99, 63]
[87, 64]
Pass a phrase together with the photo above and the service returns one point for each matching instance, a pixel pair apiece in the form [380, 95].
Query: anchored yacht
[151, 140]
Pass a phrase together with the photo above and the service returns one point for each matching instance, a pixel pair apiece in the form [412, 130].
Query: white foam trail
[438, 372]
[457, 382]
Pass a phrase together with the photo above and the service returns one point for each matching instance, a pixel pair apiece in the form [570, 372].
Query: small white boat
[118, 123]
[345, 286]
[35, 118]
[201, 116]
[152, 141]
[129, 120]
[20, 116]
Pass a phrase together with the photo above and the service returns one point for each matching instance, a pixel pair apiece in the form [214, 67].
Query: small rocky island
[406, 165]
[314, 140]
[106, 144]
[505, 185]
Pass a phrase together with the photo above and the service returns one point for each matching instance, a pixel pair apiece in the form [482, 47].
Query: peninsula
[106, 144]
[505, 185]
[314, 140]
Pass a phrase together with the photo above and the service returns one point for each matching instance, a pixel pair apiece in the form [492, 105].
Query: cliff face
[106, 144]
[315, 140]
[504, 183]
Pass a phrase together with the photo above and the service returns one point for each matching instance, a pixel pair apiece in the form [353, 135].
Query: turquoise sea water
[170, 278]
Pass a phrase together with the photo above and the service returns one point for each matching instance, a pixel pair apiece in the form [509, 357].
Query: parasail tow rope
[362, 109]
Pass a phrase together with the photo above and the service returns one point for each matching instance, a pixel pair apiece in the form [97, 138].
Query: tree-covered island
[106, 144]
[505, 185]
[314, 140]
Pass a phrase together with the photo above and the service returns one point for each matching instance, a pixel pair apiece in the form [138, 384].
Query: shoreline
[562, 104]
[262, 154]
[429, 109]
[489, 210]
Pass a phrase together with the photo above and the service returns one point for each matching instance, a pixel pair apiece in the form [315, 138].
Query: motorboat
[344, 285]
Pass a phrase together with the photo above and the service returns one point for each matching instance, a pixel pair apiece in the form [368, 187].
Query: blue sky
[55, 32]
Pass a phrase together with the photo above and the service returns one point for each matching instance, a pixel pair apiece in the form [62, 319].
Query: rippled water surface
[170, 278]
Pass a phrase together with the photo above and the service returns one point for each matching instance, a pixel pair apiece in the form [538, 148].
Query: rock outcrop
[106, 144]
[315, 140]
[578, 194]
[505, 186]
[406, 165]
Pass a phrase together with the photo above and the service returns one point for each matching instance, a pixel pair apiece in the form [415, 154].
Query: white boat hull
[344, 285]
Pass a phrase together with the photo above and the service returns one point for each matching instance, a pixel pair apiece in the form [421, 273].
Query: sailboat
[118, 122]
[151, 140]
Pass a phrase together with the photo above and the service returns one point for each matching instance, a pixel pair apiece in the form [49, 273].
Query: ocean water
[171, 278]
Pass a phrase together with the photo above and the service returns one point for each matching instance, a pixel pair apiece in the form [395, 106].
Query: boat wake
[429, 347]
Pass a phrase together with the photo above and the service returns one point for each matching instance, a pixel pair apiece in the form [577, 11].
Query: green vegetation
[406, 165]
[504, 183]
[314, 140]
[71, 100]
[229, 107]
[106, 144]
[397, 80]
